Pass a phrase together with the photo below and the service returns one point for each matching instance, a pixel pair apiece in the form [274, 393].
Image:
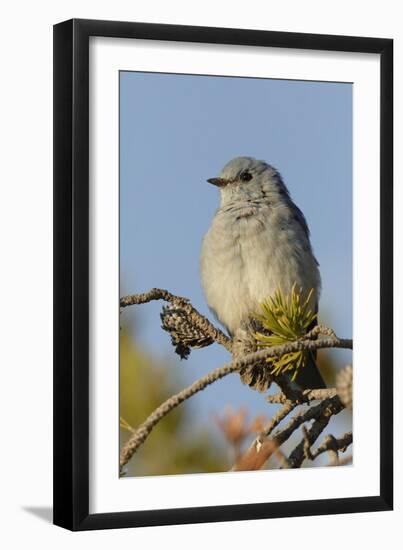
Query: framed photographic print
[223, 240]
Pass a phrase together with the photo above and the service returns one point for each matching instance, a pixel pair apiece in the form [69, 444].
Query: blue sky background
[178, 130]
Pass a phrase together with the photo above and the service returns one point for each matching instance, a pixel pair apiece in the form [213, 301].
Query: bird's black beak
[219, 182]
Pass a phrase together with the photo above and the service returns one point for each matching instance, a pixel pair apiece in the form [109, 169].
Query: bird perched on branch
[258, 243]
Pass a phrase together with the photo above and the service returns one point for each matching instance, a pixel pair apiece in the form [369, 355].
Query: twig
[307, 443]
[195, 317]
[310, 342]
[306, 343]
[144, 430]
[141, 434]
[327, 407]
[320, 329]
[325, 410]
[289, 347]
[340, 444]
[305, 396]
[331, 405]
[287, 407]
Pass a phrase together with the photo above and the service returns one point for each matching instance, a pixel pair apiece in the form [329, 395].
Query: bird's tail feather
[310, 377]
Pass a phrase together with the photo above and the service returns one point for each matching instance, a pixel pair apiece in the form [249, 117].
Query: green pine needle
[286, 319]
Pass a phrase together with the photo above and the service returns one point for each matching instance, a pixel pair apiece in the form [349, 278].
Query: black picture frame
[71, 274]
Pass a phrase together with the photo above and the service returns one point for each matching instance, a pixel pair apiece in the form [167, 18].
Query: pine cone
[255, 376]
[184, 335]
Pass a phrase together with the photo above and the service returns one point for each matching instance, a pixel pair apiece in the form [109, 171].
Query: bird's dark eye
[245, 176]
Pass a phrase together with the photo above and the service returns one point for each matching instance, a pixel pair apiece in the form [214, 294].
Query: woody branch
[264, 446]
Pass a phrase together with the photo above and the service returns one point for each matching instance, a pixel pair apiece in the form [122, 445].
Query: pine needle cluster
[285, 318]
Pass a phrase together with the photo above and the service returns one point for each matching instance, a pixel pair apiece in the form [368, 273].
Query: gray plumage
[258, 242]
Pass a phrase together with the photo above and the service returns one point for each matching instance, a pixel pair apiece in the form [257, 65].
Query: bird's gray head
[245, 178]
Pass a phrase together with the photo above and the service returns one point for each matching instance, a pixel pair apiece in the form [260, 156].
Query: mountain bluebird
[258, 242]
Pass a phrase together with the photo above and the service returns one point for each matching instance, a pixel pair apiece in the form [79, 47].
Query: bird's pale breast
[249, 252]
